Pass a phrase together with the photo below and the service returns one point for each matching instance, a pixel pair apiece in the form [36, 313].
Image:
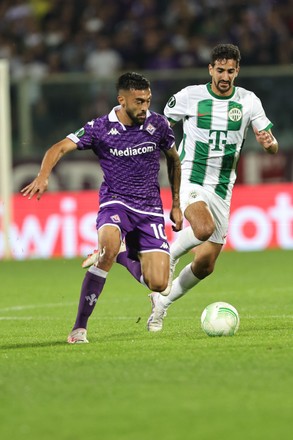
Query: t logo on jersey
[217, 138]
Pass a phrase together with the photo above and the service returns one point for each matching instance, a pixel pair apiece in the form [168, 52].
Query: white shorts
[191, 193]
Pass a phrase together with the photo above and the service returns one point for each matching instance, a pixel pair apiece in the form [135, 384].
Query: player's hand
[38, 186]
[265, 138]
[177, 218]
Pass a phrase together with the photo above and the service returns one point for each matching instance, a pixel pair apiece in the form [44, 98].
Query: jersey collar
[209, 87]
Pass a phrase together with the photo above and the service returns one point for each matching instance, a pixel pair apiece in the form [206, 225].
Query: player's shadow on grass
[115, 336]
[32, 345]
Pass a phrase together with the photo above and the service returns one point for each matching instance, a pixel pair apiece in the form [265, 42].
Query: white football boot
[91, 259]
[159, 311]
[77, 336]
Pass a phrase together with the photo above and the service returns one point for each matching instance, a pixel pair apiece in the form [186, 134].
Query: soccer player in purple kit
[128, 142]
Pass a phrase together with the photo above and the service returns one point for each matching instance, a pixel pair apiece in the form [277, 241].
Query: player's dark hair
[132, 80]
[225, 52]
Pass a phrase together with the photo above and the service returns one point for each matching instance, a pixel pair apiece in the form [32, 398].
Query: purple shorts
[143, 232]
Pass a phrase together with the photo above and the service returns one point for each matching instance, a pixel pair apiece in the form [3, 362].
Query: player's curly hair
[132, 80]
[225, 52]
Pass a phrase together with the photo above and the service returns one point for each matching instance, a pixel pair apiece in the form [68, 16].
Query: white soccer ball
[220, 319]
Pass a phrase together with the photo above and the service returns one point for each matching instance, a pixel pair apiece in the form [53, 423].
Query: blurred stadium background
[64, 57]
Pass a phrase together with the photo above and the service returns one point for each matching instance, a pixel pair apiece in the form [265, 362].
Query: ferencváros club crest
[235, 114]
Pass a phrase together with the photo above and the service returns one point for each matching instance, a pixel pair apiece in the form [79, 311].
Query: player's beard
[136, 119]
[227, 87]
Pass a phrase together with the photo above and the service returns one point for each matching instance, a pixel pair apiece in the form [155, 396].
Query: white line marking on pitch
[126, 318]
[16, 318]
[52, 305]
[35, 306]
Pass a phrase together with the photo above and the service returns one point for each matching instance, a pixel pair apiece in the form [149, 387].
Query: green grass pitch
[128, 384]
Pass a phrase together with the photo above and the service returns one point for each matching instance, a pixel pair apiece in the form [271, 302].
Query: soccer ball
[220, 319]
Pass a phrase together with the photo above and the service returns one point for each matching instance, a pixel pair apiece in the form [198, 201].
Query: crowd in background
[42, 37]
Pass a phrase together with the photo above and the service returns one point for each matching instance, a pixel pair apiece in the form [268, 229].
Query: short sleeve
[177, 106]
[259, 119]
[168, 138]
[83, 137]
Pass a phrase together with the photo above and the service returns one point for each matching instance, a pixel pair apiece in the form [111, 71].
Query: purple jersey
[129, 157]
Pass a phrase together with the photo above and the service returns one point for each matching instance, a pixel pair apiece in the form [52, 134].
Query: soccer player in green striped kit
[215, 118]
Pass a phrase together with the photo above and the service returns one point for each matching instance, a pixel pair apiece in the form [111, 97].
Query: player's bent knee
[204, 232]
[202, 271]
[156, 285]
[203, 236]
[107, 255]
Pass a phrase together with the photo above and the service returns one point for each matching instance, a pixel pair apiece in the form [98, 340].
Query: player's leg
[129, 258]
[201, 227]
[126, 257]
[206, 255]
[185, 241]
[155, 269]
[195, 203]
[202, 266]
[93, 258]
[128, 252]
[151, 241]
[132, 265]
[201, 220]
[147, 251]
[109, 238]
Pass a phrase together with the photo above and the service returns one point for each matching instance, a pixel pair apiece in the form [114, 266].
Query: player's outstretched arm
[40, 184]
[267, 141]
[174, 174]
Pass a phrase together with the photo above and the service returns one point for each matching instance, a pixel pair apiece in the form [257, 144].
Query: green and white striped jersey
[214, 130]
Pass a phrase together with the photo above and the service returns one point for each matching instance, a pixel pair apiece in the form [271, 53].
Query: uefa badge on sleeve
[172, 102]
